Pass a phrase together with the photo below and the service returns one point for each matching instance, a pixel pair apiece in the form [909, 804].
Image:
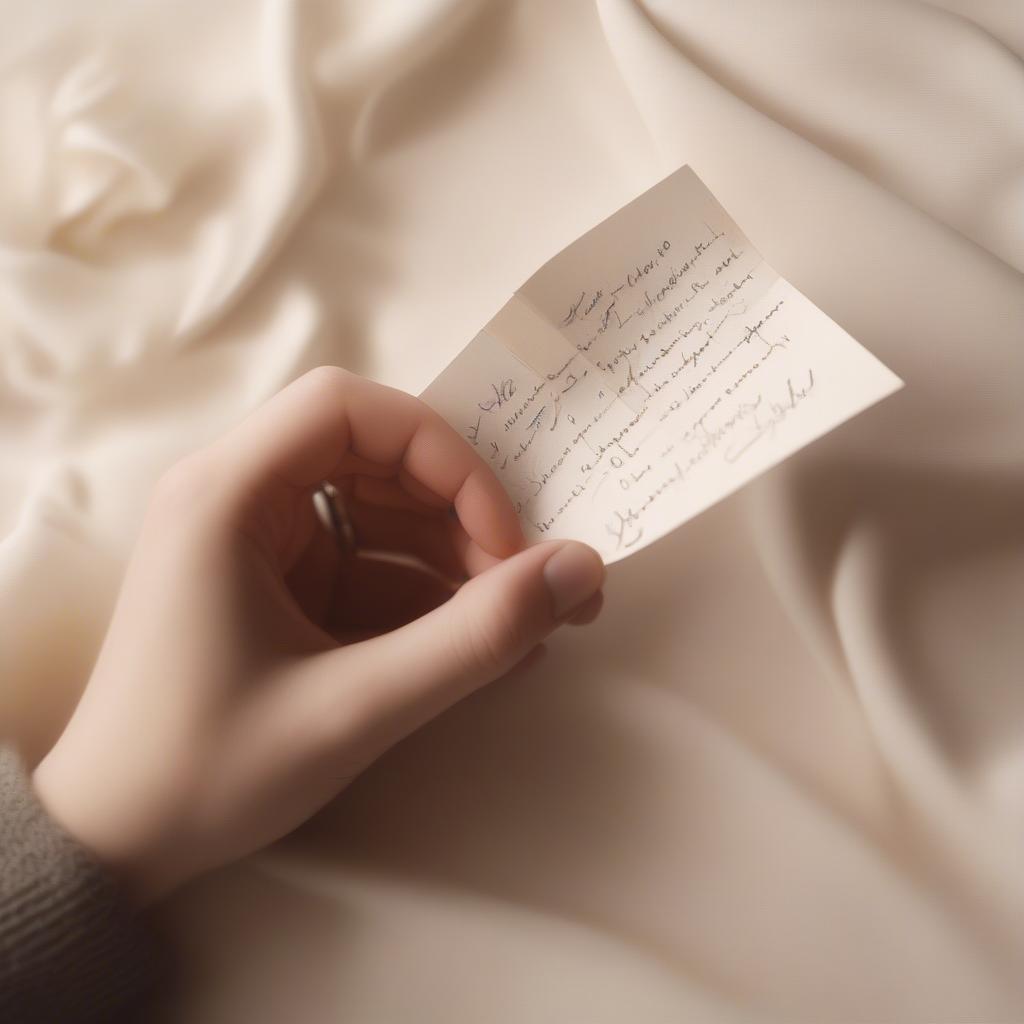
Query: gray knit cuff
[70, 947]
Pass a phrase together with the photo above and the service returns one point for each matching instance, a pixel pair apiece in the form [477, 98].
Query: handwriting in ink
[503, 392]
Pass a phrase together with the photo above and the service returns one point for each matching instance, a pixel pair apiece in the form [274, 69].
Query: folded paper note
[647, 371]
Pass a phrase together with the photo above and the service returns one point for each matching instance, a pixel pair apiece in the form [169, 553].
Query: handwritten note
[647, 371]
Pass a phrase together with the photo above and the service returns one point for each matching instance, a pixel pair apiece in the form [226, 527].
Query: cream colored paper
[647, 371]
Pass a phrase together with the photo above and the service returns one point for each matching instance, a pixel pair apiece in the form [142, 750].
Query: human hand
[251, 670]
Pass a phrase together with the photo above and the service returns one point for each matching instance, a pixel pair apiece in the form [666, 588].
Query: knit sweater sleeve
[70, 947]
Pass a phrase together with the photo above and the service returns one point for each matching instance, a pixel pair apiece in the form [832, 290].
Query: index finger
[303, 435]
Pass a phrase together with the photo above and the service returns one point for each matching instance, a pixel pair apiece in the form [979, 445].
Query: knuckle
[183, 482]
[490, 638]
[187, 486]
[330, 379]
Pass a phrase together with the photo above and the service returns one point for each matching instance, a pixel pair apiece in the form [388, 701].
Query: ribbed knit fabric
[70, 948]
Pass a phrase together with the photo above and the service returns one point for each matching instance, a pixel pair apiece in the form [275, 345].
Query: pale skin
[253, 668]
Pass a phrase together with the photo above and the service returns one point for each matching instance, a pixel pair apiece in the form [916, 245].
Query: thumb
[388, 686]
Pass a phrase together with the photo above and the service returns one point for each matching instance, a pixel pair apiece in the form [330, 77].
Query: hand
[250, 670]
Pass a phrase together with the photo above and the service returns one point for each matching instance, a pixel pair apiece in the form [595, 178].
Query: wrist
[74, 803]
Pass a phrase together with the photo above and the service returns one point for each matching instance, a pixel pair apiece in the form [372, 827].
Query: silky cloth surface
[782, 778]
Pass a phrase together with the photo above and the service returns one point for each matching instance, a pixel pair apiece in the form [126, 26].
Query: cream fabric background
[783, 778]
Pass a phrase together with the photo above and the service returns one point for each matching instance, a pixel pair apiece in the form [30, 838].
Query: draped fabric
[782, 778]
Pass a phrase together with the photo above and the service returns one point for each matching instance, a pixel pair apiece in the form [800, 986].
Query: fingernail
[572, 574]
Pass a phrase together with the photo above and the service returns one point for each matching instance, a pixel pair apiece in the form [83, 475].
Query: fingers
[389, 492]
[383, 688]
[330, 420]
[588, 611]
[473, 558]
